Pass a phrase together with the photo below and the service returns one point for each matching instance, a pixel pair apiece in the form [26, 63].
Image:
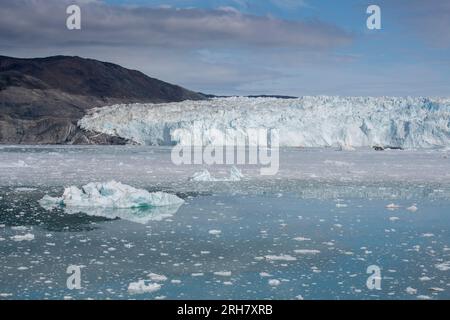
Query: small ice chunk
[205, 176]
[423, 297]
[264, 274]
[214, 232]
[19, 228]
[223, 273]
[392, 206]
[302, 239]
[283, 257]
[444, 266]
[412, 208]
[157, 277]
[394, 218]
[202, 176]
[25, 237]
[140, 287]
[411, 290]
[274, 282]
[427, 235]
[306, 251]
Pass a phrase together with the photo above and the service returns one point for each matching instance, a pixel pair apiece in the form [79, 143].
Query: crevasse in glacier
[312, 121]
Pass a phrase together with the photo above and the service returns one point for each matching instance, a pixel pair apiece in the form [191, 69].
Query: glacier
[310, 121]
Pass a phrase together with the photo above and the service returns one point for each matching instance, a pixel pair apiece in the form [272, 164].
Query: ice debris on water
[141, 287]
[392, 206]
[411, 290]
[223, 273]
[25, 237]
[444, 266]
[283, 257]
[306, 251]
[205, 175]
[274, 282]
[157, 277]
[110, 194]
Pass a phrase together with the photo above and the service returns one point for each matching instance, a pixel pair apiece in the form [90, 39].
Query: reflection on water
[141, 215]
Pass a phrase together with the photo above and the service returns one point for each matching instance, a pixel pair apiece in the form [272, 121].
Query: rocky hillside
[42, 99]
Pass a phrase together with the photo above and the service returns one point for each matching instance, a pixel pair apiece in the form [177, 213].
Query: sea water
[296, 236]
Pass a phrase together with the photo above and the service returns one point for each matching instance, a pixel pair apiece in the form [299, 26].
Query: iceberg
[115, 200]
[312, 121]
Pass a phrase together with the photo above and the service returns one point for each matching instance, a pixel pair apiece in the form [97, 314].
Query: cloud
[42, 22]
[430, 20]
[290, 4]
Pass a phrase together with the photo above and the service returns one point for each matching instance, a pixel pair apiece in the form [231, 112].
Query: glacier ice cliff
[316, 121]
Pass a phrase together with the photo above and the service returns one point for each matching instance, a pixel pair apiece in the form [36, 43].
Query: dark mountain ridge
[42, 99]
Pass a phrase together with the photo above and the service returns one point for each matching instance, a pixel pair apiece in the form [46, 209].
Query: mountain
[42, 99]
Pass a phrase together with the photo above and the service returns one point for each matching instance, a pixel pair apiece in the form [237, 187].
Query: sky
[249, 47]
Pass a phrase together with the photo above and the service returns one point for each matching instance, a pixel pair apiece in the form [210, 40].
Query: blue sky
[292, 47]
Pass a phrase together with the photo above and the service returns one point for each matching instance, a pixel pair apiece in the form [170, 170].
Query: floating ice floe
[412, 208]
[306, 251]
[425, 278]
[141, 287]
[214, 232]
[283, 257]
[157, 277]
[205, 176]
[264, 274]
[274, 282]
[444, 266]
[411, 290]
[392, 206]
[25, 237]
[302, 239]
[223, 273]
[115, 200]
